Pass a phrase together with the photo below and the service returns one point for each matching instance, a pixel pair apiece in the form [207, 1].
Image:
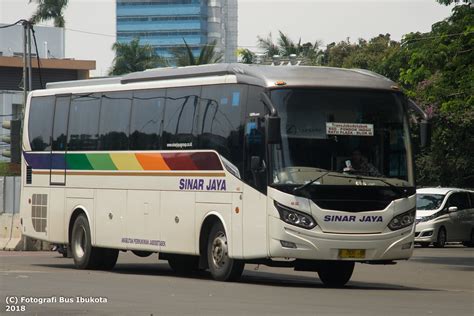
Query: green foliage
[448, 2]
[6, 170]
[286, 46]
[132, 57]
[50, 9]
[184, 56]
[246, 55]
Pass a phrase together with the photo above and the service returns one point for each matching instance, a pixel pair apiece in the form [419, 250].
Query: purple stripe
[44, 160]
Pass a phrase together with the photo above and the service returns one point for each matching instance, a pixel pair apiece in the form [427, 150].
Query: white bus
[220, 165]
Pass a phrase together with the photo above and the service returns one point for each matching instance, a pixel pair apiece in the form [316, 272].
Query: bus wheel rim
[80, 242]
[219, 250]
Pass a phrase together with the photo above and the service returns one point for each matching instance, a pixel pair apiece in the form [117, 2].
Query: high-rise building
[165, 23]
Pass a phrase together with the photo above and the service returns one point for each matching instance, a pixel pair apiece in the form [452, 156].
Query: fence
[10, 195]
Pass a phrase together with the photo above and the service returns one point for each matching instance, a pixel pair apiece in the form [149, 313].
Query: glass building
[165, 23]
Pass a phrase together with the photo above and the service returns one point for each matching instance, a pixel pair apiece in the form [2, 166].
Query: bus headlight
[294, 217]
[403, 220]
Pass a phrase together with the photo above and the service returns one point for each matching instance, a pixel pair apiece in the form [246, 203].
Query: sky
[90, 24]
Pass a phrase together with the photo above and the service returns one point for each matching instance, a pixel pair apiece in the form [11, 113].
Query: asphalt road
[433, 282]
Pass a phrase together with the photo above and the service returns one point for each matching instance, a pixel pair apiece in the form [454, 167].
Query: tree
[286, 46]
[132, 57]
[50, 9]
[184, 56]
[448, 2]
[246, 55]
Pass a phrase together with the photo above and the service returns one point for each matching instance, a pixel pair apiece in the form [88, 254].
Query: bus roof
[260, 75]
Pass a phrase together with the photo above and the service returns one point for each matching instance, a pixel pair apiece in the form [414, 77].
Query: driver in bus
[360, 164]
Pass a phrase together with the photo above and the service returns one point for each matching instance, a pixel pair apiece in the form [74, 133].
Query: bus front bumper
[287, 241]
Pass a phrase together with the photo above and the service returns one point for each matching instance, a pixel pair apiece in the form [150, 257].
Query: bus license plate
[352, 253]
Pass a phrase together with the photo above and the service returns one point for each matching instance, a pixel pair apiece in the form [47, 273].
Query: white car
[444, 215]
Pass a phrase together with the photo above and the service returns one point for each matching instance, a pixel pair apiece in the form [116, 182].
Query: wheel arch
[205, 228]
[78, 210]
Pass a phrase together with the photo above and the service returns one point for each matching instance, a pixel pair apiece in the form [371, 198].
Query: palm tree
[268, 46]
[246, 55]
[50, 9]
[184, 56]
[131, 57]
[286, 46]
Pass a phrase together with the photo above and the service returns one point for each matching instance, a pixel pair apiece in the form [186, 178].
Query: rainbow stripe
[112, 161]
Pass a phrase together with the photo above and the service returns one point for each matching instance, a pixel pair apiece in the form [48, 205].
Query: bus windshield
[341, 137]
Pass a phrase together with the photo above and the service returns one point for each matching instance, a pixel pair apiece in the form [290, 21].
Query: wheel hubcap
[219, 250]
[79, 243]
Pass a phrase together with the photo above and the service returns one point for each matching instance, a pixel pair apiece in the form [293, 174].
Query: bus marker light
[237, 210]
[287, 244]
[29, 201]
[280, 83]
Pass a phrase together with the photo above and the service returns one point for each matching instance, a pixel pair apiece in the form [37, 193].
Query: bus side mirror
[425, 133]
[452, 209]
[272, 130]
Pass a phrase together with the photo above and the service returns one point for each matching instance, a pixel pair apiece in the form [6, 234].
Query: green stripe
[101, 162]
[78, 162]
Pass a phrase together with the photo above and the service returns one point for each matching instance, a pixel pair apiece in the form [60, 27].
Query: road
[433, 282]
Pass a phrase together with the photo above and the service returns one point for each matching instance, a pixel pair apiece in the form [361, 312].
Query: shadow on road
[250, 277]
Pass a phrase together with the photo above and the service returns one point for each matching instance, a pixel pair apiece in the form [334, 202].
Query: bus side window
[181, 110]
[147, 119]
[220, 121]
[115, 120]
[83, 131]
[40, 123]
[255, 141]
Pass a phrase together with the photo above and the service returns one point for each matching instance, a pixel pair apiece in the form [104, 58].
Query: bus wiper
[310, 182]
[399, 190]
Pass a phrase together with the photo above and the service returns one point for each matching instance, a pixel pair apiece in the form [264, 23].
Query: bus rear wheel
[335, 273]
[85, 256]
[222, 267]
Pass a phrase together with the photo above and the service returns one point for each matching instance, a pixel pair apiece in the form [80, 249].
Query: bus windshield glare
[341, 137]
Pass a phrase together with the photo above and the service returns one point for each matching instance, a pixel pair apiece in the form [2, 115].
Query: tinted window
[254, 140]
[147, 119]
[220, 121]
[471, 195]
[61, 114]
[40, 123]
[180, 116]
[460, 200]
[115, 120]
[425, 202]
[84, 122]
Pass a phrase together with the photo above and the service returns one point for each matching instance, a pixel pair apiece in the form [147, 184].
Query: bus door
[59, 140]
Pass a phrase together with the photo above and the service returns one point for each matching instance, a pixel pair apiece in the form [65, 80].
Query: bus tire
[441, 239]
[222, 267]
[85, 256]
[183, 264]
[108, 258]
[335, 273]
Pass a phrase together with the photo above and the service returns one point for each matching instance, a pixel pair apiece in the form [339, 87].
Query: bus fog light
[294, 217]
[406, 246]
[287, 244]
[402, 220]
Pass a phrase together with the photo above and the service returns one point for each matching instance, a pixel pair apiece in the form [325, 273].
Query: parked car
[444, 215]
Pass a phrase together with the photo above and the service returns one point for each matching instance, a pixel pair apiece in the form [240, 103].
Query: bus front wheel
[336, 273]
[222, 267]
[85, 256]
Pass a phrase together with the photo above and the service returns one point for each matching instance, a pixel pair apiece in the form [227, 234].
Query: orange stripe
[152, 162]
